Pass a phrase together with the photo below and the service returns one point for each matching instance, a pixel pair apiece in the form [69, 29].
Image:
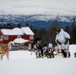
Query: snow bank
[72, 49]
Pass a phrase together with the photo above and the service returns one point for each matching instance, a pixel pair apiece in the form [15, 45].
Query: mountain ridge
[37, 21]
[32, 7]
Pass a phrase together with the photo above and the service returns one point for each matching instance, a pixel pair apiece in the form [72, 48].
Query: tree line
[49, 35]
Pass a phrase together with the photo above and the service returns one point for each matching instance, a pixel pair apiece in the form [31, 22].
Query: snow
[31, 7]
[38, 67]
[20, 40]
[72, 49]
[22, 62]
[17, 31]
[27, 31]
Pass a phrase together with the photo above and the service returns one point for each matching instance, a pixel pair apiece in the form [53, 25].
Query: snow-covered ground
[41, 66]
[25, 63]
[20, 55]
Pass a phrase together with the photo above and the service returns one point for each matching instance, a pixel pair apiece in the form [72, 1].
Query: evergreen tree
[55, 23]
[19, 25]
[27, 25]
[74, 31]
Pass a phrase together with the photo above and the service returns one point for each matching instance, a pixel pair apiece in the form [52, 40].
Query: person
[45, 49]
[40, 51]
[50, 48]
[50, 45]
[62, 40]
[75, 54]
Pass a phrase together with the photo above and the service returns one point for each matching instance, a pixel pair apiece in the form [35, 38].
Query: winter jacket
[62, 37]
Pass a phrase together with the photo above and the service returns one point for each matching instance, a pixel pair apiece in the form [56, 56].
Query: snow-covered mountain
[37, 21]
[41, 9]
[32, 7]
[42, 17]
[18, 11]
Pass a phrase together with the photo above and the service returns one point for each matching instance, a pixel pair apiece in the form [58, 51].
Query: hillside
[38, 13]
[34, 7]
[36, 21]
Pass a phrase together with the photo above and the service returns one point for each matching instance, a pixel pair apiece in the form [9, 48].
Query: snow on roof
[17, 31]
[20, 40]
[27, 31]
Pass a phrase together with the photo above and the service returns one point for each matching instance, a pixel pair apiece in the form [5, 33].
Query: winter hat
[58, 29]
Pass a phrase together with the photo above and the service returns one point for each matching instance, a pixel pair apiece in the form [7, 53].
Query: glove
[66, 41]
[58, 42]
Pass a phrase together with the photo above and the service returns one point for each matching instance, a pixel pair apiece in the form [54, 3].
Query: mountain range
[38, 13]
[37, 21]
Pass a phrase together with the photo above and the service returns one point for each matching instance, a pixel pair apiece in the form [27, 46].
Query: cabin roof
[17, 31]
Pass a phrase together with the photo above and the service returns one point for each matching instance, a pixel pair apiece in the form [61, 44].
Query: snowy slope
[72, 49]
[35, 10]
[32, 7]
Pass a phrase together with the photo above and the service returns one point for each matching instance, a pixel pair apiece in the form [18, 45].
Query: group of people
[62, 41]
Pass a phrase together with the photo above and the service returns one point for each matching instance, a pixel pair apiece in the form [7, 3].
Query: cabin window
[31, 37]
[19, 36]
[4, 37]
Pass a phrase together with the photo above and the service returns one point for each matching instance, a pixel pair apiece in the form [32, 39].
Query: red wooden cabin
[7, 35]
